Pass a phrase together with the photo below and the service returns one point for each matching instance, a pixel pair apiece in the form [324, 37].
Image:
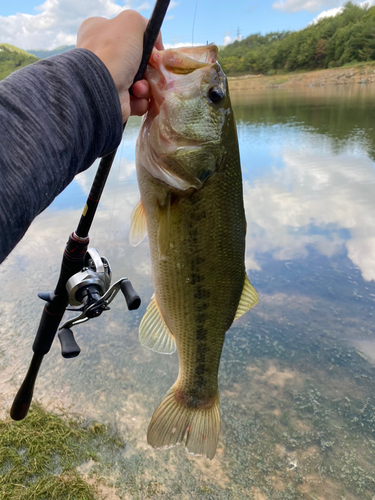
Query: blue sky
[31, 25]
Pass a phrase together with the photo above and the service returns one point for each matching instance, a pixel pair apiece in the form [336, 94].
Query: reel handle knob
[69, 347]
[133, 300]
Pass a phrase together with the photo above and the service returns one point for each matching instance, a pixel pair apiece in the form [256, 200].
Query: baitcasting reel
[90, 293]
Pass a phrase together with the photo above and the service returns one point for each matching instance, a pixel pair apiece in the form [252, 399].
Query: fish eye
[215, 94]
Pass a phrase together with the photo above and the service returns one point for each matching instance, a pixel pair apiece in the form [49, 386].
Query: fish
[191, 207]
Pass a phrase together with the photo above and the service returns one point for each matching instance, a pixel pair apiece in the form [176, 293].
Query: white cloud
[228, 39]
[144, 6]
[367, 3]
[327, 13]
[337, 10]
[56, 22]
[172, 5]
[333, 7]
[309, 5]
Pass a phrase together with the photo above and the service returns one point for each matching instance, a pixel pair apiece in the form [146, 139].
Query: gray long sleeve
[56, 117]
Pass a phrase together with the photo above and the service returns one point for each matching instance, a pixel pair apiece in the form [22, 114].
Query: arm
[58, 115]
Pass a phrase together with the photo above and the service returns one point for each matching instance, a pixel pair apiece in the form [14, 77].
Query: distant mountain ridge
[13, 58]
[42, 54]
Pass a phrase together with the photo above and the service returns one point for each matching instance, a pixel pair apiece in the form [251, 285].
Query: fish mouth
[188, 59]
[167, 66]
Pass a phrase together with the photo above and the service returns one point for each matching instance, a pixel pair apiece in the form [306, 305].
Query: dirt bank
[337, 76]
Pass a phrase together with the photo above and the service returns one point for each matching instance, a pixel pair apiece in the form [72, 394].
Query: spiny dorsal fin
[138, 228]
[164, 220]
[153, 331]
[249, 298]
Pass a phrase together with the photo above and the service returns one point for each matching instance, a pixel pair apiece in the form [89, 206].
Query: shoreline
[364, 74]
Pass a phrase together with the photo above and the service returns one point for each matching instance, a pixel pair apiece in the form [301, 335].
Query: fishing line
[192, 31]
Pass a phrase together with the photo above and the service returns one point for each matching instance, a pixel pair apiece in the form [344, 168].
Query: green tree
[320, 51]
[333, 41]
[12, 58]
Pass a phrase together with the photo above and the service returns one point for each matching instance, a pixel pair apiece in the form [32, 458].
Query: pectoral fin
[153, 331]
[249, 299]
[138, 228]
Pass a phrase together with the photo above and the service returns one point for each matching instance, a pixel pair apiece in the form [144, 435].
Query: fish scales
[196, 226]
[199, 286]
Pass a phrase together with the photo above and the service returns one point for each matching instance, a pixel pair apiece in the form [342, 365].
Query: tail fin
[173, 420]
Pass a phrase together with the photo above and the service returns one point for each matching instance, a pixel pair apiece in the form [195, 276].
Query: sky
[28, 24]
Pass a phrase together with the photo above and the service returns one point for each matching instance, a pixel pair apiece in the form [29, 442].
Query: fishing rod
[85, 277]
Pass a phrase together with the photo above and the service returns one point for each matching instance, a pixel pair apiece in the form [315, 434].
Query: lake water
[297, 376]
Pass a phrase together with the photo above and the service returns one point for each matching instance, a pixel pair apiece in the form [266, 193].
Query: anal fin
[249, 298]
[153, 331]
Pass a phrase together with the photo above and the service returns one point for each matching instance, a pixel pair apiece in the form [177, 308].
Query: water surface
[297, 372]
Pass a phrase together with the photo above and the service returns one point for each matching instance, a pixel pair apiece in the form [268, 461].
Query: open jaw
[166, 67]
[187, 59]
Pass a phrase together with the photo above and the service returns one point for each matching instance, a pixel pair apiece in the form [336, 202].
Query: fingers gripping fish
[191, 206]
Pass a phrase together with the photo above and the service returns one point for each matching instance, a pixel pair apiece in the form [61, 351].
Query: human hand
[118, 42]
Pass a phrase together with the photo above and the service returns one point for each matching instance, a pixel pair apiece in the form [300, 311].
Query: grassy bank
[41, 457]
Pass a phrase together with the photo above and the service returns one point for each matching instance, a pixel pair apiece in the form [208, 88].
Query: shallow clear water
[297, 372]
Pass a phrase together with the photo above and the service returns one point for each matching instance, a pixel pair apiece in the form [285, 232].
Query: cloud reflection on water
[317, 198]
[309, 195]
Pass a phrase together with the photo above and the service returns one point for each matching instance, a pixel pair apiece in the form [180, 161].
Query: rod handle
[22, 401]
[47, 329]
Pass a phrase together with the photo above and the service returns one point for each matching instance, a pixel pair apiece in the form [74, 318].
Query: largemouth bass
[189, 176]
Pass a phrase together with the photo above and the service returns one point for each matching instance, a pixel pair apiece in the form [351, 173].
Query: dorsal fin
[249, 298]
[138, 228]
[153, 331]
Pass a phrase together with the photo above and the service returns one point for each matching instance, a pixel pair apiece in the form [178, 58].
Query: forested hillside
[12, 58]
[331, 42]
